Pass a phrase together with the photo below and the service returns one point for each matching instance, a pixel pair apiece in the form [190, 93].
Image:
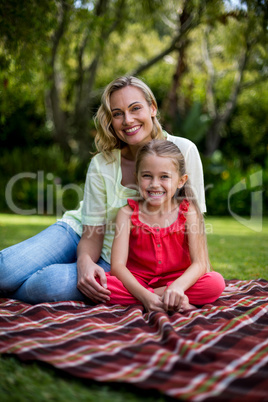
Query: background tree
[204, 60]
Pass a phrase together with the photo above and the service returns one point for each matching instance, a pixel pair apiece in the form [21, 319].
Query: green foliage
[194, 125]
[119, 37]
[230, 188]
[248, 130]
[24, 22]
[38, 180]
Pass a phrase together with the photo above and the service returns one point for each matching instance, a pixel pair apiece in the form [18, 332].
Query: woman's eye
[136, 108]
[117, 114]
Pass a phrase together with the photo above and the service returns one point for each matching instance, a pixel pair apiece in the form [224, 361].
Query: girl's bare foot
[160, 291]
[185, 305]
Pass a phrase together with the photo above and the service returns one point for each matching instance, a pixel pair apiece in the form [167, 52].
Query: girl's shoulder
[133, 204]
[188, 207]
[125, 212]
[184, 205]
[192, 214]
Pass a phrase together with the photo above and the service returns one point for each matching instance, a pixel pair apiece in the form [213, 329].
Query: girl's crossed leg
[206, 290]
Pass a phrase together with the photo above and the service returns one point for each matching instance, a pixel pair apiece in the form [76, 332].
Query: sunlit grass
[15, 228]
[236, 251]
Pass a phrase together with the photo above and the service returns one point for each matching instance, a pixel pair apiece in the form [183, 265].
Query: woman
[63, 262]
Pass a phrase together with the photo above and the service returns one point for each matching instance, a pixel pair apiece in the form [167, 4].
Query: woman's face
[132, 116]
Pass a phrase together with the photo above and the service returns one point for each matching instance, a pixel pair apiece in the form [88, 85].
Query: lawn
[235, 251]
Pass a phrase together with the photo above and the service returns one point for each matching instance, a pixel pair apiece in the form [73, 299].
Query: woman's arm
[173, 295]
[88, 252]
[89, 248]
[119, 258]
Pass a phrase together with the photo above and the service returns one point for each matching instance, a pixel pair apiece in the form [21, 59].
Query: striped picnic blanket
[216, 353]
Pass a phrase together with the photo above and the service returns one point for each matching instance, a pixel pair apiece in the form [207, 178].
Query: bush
[232, 190]
[38, 180]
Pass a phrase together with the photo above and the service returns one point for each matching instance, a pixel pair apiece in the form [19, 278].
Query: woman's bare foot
[185, 305]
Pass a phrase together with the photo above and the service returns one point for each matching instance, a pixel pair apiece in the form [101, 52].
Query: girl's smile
[158, 181]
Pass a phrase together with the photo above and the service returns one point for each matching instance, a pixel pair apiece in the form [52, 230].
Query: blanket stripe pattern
[217, 352]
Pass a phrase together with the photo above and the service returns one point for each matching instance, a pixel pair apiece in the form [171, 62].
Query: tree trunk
[58, 116]
[221, 118]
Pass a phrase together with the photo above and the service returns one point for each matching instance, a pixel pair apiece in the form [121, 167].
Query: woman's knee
[7, 278]
[50, 284]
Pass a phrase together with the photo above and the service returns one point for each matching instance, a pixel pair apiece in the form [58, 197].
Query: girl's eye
[165, 177]
[146, 175]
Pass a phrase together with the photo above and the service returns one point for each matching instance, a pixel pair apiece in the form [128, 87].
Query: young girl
[159, 254]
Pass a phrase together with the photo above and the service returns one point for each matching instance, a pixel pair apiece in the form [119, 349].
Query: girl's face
[158, 180]
[132, 116]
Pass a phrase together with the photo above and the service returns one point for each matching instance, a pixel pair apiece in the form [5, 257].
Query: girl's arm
[88, 252]
[119, 258]
[173, 295]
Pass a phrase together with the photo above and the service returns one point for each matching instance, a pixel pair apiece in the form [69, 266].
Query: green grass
[235, 251]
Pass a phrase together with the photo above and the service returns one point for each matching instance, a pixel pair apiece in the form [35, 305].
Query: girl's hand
[152, 302]
[173, 298]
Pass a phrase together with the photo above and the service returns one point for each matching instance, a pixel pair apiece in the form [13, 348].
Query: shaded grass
[38, 382]
[235, 252]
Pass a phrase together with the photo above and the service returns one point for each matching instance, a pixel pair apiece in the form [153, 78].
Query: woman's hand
[88, 251]
[87, 272]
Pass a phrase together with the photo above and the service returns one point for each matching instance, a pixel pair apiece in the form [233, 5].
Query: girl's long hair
[167, 149]
[106, 140]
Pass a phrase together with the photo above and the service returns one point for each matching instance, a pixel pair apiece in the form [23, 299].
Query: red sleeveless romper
[157, 257]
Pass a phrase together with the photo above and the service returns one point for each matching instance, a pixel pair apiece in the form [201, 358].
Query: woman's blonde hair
[106, 139]
[167, 149]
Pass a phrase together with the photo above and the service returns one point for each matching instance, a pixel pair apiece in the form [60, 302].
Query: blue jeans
[43, 268]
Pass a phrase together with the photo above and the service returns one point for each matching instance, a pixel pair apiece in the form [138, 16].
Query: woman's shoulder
[101, 158]
[184, 144]
[177, 139]
[100, 163]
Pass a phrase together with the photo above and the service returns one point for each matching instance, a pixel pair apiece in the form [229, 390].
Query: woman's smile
[132, 130]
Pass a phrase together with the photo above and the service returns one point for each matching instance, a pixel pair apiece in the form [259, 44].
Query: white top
[104, 194]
